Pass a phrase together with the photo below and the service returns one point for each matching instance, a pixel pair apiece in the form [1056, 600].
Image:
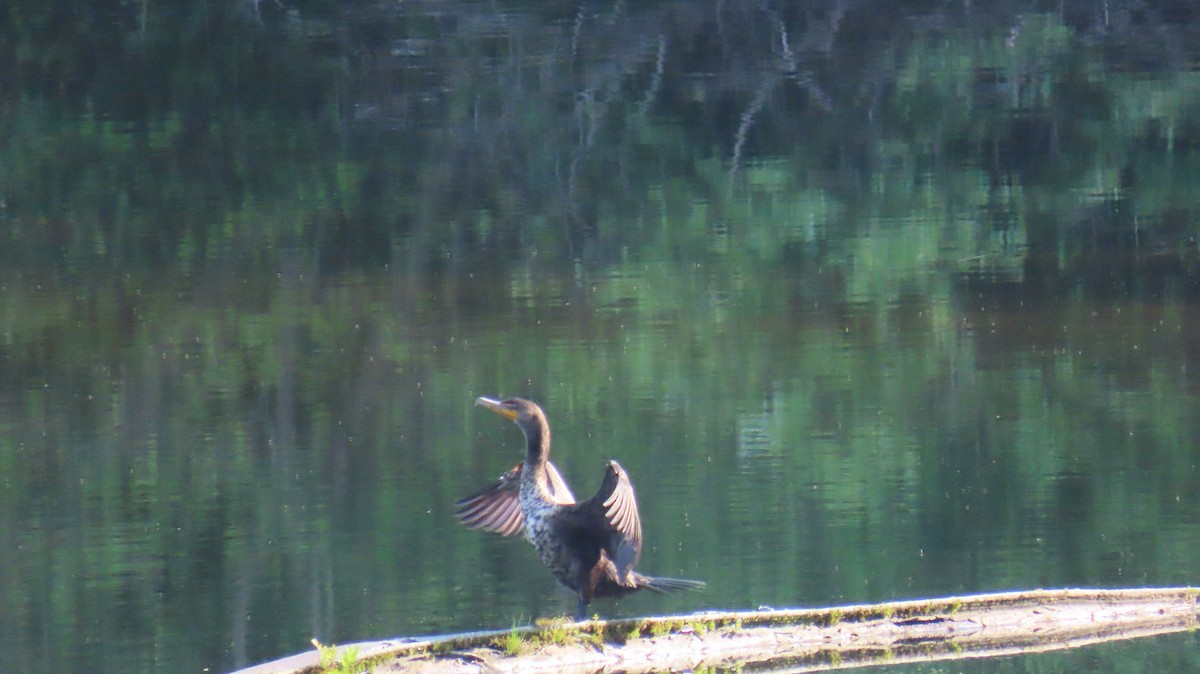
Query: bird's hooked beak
[498, 407]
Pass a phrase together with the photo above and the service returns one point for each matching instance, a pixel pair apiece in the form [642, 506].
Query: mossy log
[796, 640]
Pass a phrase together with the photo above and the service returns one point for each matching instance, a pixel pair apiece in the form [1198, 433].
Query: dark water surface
[873, 300]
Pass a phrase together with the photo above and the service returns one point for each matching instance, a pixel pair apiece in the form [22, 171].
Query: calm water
[873, 300]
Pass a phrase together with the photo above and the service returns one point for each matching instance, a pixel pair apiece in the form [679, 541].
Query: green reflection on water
[911, 323]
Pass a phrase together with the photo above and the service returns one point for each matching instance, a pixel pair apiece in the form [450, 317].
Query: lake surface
[873, 301]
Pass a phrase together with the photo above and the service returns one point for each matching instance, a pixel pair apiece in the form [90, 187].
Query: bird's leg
[581, 610]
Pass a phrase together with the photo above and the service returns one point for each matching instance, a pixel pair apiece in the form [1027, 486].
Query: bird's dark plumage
[590, 546]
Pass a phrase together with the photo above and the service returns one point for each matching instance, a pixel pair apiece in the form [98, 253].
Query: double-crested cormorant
[591, 546]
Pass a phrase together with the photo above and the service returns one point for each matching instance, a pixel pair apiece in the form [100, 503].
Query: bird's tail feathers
[659, 584]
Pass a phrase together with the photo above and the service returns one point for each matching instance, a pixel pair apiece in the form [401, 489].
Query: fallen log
[794, 640]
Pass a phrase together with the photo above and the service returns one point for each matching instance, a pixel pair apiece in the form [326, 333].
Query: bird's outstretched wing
[619, 506]
[497, 507]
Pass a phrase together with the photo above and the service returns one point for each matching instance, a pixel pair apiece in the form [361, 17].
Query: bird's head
[525, 414]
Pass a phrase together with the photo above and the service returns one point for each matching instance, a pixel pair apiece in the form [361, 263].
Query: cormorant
[591, 546]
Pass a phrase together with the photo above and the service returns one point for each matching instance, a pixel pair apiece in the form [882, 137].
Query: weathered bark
[795, 640]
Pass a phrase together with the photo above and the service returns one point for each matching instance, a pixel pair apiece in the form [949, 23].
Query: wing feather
[620, 508]
[497, 507]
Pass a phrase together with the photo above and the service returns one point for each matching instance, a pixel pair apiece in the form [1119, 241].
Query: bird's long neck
[534, 480]
[537, 445]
